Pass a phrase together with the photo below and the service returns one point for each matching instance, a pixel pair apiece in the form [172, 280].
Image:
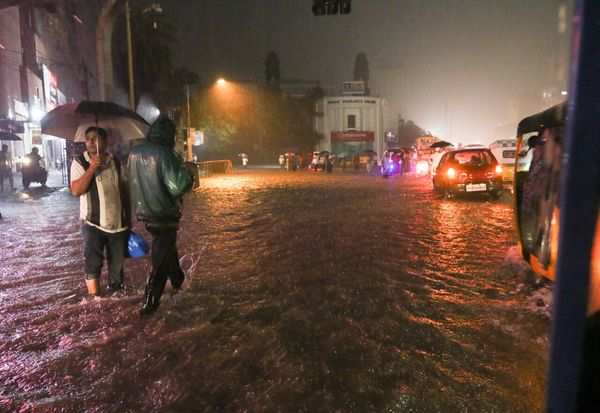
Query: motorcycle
[391, 166]
[33, 171]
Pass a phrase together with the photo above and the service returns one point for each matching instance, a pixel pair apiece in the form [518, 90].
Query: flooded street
[306, 292]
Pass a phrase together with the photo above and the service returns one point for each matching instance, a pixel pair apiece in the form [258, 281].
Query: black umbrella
[441, 144]
[8, 136]
[71, 120]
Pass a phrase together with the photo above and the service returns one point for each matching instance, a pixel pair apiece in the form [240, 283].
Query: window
[351, 121]
[474, 158]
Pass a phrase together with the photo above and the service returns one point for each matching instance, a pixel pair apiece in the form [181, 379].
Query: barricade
[207, 168]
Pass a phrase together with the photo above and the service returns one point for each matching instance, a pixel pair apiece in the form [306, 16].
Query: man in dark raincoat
[157, 181]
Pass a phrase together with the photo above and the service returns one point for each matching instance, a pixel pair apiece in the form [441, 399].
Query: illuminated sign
[198, 137]
[353, 136]
[50, 88]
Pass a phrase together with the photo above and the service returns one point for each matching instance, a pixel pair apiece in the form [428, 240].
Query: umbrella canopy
[8, 136]
[71, 120]
[441, 144]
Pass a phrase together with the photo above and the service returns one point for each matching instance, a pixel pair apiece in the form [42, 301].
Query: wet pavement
[305, 293]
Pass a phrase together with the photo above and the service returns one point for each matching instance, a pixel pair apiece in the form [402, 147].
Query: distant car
[465, 171]
[505, 152]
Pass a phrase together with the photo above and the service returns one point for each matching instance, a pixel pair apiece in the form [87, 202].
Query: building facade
[47, 58]
[350, 124]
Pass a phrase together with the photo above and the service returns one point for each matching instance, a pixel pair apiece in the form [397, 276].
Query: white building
[350, 123]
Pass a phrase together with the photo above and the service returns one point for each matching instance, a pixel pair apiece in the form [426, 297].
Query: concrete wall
[10, 60]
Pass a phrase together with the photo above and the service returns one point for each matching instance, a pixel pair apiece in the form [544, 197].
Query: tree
[408, 132]
[256, 120]
[153, 41]
[361, 67]
[272, 70]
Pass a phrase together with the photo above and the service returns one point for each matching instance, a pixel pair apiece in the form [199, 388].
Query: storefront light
[37, 113]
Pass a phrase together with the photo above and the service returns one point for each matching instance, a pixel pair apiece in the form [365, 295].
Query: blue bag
[136, 245]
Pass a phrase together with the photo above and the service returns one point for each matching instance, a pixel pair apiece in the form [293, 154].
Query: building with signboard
[351, 123]
[47, 58]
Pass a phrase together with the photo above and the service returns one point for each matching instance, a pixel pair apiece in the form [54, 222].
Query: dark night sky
[454, 66]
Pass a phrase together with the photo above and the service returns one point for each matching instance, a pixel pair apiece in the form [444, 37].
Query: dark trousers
[165, 261]
[96, 242]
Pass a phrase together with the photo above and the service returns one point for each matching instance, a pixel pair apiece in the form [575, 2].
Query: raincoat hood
[162, 132]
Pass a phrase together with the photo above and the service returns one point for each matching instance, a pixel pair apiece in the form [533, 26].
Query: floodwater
[306, 292]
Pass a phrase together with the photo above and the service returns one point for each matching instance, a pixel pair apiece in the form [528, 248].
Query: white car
[505, 151]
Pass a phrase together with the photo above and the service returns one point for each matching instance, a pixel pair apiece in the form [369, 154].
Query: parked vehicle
[466, 171]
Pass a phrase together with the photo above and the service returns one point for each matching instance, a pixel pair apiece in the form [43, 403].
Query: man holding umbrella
[157, 181]
[96, 179]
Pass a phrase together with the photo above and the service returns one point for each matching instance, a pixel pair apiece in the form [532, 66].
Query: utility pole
[189, 154]
[130, 57]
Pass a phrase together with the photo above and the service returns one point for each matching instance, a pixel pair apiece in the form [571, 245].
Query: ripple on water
[305, 292]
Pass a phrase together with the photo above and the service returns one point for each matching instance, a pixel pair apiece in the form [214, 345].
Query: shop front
[348, 144]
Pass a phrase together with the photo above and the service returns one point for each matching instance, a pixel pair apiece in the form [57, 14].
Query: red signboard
[353, 136]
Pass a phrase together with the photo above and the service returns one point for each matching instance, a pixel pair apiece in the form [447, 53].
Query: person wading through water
[158, 180]
[97, 180]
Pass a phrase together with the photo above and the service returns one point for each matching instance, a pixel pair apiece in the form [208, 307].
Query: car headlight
[422, 167]
[26, 161]
[451, 173]
[499, 169]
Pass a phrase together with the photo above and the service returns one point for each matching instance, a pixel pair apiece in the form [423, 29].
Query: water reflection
[305, 293]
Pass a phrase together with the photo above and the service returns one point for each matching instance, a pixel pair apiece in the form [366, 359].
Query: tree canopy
[408, 132]
[272, 69]
[253, 119]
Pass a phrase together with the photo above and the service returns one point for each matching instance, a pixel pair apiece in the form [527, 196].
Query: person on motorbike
[33, 170]
[387, 166]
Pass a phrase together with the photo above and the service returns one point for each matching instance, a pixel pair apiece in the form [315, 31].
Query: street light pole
[189, 119]
[130, 57]
[189, 154]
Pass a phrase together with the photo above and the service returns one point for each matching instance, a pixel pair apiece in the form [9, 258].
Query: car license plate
[476, 187]
[508, 154]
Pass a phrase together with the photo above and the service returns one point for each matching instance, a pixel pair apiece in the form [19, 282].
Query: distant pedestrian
[158, 180]
[401, 163]
[6, 168]
[328, 163]
[96, 179]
